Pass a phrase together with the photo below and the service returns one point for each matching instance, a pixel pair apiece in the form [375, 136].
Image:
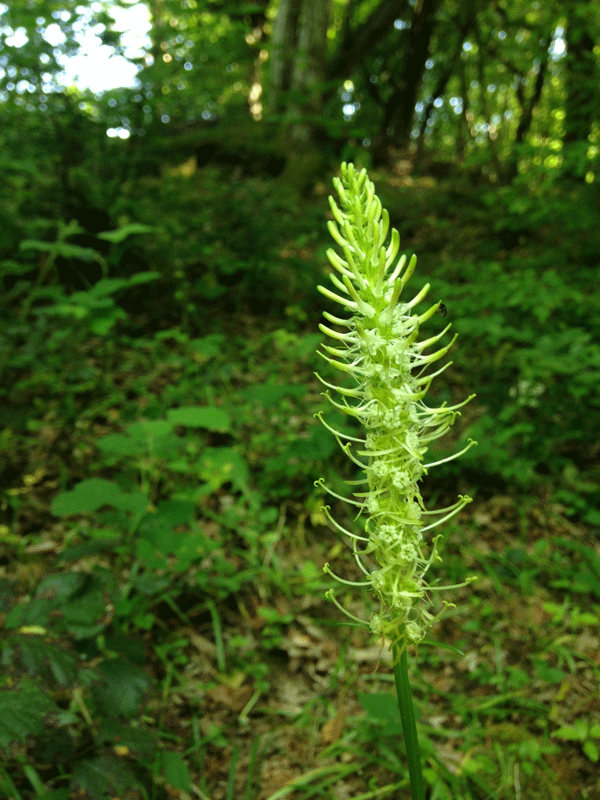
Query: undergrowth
[163, 624]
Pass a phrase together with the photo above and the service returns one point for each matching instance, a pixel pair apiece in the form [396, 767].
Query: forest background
[163, 628]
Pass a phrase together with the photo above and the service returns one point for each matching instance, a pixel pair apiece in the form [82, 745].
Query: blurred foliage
[161, 248]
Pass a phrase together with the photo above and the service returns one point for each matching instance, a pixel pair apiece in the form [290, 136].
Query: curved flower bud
[378, 346]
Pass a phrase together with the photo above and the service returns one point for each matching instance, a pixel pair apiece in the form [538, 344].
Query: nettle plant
[378, 347]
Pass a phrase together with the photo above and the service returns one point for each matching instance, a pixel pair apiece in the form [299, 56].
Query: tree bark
[298, 59]
[448, 69]
[357, 43]
[283, 46]
[581, 72]
[399, 110]
[299, 55]
[308, 71]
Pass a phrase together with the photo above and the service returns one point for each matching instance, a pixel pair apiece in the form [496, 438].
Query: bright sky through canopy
[96, 67]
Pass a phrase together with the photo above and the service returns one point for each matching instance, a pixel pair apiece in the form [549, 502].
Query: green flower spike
[378, 347]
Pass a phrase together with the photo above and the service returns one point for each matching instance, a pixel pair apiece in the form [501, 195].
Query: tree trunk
[582, 107]
[299, 54]
[283, 47]
[400, 108]
[448, 69]
[308, 70]
[357, 43]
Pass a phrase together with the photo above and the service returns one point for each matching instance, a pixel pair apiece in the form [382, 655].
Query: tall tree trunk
[582, 106]
[299, 48]
[358, 42]
[448, 69]
[298, 57]
[308, 70]
[399, 110]
[283, 47]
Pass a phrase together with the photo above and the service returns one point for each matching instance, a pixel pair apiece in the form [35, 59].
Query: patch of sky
[95, 66]
[558, 47]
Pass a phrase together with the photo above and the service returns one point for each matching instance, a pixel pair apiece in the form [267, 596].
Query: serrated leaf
[138, 740]
[22, 712]
[65, 604]
[101, 777]
[61, 586]
[121, 689]
[37, 656]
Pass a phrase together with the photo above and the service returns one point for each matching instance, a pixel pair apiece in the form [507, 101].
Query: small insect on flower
[443, 310]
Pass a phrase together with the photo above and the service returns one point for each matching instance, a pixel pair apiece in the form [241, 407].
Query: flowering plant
[379, 347]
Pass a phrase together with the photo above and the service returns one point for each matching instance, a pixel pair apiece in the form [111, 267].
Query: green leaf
[208, 417]
[61, 586]
[38, 657]
[89, 548]
[22, 713]
[577, 732]
[221, 465]
[590, 748]
[103, 325]
[91, 494]
[155, 438]
[102, 777]
[142, 277]
[139, 740]
[208, 346]
[383, 709]
[121, 689]
[176, 512]
[118, 444]
[126, 230]
[8, 267]
[70, 602]
[64, 249]
[176, 773]
[107, 286]
[270, 393]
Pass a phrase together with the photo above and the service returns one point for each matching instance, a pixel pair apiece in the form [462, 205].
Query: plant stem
[409, 724]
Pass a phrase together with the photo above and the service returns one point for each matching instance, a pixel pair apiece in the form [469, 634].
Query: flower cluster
[378, 347]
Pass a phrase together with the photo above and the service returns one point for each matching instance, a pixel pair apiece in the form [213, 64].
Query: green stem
[409, 724]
